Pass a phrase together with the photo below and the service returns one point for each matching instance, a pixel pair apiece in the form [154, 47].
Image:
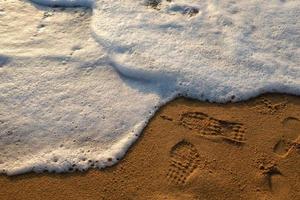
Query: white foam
[226, 49]
[59, 111]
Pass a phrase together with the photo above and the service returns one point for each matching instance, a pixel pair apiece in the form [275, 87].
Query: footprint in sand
[265, 106]
[184, 160]
[269, 172]
[291, 138]
[212, 128]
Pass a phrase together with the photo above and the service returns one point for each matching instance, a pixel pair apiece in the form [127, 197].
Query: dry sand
[192, 150]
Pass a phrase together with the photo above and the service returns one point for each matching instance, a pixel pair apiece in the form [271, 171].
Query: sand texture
[192, 150]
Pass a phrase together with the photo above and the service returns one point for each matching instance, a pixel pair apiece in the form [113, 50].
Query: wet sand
[192, 150]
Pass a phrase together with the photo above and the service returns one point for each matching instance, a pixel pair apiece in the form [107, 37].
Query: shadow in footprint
[269, 172]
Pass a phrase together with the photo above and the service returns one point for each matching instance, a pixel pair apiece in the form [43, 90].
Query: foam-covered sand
[78, 85]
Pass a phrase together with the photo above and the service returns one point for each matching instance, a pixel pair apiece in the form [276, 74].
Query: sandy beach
[192, 150]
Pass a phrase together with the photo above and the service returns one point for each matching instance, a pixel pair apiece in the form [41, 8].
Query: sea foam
[135, 57]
